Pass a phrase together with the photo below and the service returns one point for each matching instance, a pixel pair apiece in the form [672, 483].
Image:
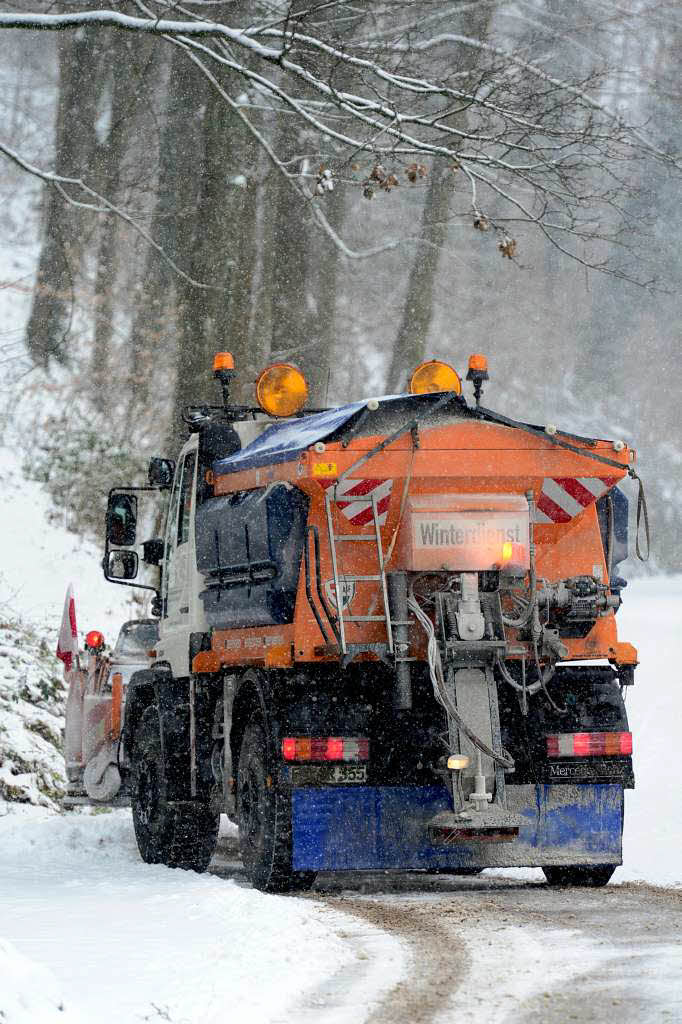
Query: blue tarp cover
[284, 441]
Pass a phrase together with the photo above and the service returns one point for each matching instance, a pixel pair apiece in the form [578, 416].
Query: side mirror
[122, 520]
[153, 551]
[122, 565]
[161, 473]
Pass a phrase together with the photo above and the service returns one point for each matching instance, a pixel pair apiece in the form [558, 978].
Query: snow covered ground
[651, 619]
[40, 558]
[128, 942]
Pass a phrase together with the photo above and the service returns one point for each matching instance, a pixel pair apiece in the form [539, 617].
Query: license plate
[327, 774]
[349, 773]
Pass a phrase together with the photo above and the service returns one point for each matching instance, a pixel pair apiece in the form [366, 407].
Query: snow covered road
[119, 942]
[496, 951]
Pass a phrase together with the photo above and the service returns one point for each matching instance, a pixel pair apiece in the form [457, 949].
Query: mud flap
[377, 828]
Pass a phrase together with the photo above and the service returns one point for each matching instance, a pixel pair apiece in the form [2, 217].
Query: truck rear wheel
[594, 875]
[264, 817]
[179, 834]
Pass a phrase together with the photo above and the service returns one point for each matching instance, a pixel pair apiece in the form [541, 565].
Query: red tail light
[325, 748]
[589, 744]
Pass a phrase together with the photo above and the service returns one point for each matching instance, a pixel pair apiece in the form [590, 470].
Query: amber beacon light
[223, 361]
[434, 376]
[477, 374]
[478, 364]
[281, 390]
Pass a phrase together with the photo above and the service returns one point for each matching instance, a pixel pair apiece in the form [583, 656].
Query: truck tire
[178, 834]
[264, 818]
[595, 875]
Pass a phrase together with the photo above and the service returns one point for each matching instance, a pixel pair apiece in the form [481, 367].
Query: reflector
[433, 376]
[281, 390]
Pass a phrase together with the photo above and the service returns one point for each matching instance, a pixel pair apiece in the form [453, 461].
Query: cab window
[186, 489]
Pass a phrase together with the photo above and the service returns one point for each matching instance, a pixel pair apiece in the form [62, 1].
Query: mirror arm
[105, 560]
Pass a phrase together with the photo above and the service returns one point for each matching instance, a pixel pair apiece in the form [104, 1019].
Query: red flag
[67, 645]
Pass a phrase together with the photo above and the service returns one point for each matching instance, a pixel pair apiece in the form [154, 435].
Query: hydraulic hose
[529, 688]
[440, 690]
[523, 618]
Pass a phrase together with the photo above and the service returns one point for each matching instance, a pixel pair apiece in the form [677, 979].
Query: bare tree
[539, 150]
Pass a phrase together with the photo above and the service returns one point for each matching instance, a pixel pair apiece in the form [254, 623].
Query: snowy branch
[101, 205]
[528, 140]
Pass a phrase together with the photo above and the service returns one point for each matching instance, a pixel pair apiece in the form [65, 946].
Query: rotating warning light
[433, 376]
[478, 367]
[223, 361]
[281, 390]
[94, 640]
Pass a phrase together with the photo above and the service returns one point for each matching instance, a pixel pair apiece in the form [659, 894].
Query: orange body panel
[116, 704]
[460, 458]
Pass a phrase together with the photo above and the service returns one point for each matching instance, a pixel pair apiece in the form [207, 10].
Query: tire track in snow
[496, 952]
[345, 995]
[432, 968]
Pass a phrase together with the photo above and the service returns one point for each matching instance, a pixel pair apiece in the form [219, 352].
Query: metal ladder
[380, 577]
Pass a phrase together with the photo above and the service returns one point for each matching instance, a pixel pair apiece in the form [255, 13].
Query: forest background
[505, 180]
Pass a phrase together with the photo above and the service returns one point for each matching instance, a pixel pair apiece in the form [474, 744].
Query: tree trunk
[410, 344]
[154, 328]
[290, 280]
[412, 338]
[223, 255]
[79, 89]
[108, 169]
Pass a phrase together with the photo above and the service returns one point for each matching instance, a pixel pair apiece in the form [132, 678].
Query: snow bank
[131, 942]
[651, 619]
[39, 559]
[29, 993]
[32, 693]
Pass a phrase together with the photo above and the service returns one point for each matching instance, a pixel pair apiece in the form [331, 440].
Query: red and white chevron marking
[564, 497]
[354, 499]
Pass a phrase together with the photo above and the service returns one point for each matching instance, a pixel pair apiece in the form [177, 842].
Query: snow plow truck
[387, 637]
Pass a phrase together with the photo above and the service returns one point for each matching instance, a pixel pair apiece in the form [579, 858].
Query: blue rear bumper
[355, 828]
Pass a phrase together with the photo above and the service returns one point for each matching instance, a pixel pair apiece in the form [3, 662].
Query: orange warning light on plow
[433, 376]
[281, 390]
